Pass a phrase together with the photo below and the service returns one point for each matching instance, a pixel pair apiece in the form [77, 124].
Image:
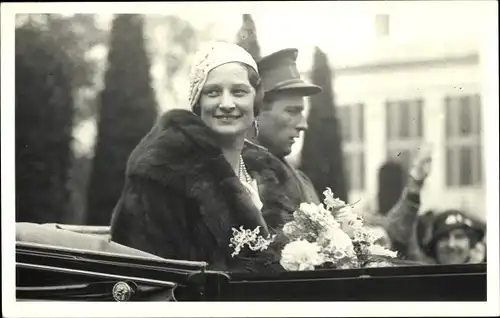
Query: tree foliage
[247, 37]
[44, 116]
[174, 40]
[76, 34]
[322, 157]
[127, 111]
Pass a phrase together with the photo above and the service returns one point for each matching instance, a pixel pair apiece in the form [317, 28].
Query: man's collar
[253, 143]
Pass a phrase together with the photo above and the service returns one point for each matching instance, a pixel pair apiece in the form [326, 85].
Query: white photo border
[11, 308]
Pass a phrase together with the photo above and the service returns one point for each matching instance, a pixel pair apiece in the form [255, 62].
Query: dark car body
[45, 272]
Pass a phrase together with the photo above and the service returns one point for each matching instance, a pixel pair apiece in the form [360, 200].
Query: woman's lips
[227, 117]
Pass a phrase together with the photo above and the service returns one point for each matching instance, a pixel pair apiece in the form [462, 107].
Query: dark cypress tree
[322, 157]
[127, 111]
[43, 120]
[247, 37]
[391, 182]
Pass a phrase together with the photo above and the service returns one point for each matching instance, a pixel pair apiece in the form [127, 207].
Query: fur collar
[181, 154]
[178, 148]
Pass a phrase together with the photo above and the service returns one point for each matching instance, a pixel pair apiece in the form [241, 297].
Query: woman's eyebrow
[210, 86]
[233, 85]
[242, 85]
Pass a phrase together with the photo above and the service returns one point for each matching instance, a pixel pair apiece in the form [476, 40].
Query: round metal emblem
[122, 291]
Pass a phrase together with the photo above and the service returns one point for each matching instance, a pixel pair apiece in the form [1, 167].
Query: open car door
[46, 272]
[78, 263]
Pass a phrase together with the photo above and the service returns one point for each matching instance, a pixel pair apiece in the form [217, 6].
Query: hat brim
[303, 89]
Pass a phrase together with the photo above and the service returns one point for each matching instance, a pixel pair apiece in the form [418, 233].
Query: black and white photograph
[238, 159]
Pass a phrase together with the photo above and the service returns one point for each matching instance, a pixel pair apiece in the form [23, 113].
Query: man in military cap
[282, 119]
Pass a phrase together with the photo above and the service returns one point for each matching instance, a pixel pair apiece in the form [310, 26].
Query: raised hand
[422, 164]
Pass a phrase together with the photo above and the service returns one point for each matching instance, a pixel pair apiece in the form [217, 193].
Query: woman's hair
[254, 79]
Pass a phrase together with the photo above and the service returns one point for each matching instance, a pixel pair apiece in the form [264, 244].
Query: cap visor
[302, 88]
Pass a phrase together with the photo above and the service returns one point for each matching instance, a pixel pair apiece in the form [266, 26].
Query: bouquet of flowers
[327, 235]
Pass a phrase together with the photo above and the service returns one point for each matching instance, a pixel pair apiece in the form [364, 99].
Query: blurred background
[90, 86]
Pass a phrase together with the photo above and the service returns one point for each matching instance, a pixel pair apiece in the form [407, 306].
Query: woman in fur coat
[187, 183]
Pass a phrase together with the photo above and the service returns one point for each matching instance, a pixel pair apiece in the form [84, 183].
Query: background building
[404, 95]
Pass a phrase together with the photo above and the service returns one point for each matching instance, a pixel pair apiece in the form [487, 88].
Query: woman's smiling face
[227, 100]
[454, 247]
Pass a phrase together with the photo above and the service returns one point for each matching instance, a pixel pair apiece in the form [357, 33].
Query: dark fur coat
[181, 197]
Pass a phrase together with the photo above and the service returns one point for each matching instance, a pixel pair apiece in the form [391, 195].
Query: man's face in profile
[281, 121]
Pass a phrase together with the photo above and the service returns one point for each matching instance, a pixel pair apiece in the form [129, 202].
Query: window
[463, 140]
[404, 129]
[382, 25]
[352, 123]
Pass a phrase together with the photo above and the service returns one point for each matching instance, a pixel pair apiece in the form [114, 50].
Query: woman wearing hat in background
[414, 235]
[187, 184]
[455, 238]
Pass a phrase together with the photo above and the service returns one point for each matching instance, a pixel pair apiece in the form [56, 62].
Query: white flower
[317, 214]
[335, 237]
[250, 238]
[295, 231]
[308, 211]
[379, 264]
[346, 212]
[301, 256]
[261, 243]
[375, 249]
[308, 208]
[351, 224]
[331, 202]
[367, 234]
[310, 220]
[337, 245]
[289, 229]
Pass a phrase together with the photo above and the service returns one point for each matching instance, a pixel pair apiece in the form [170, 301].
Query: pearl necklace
[243, 174]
